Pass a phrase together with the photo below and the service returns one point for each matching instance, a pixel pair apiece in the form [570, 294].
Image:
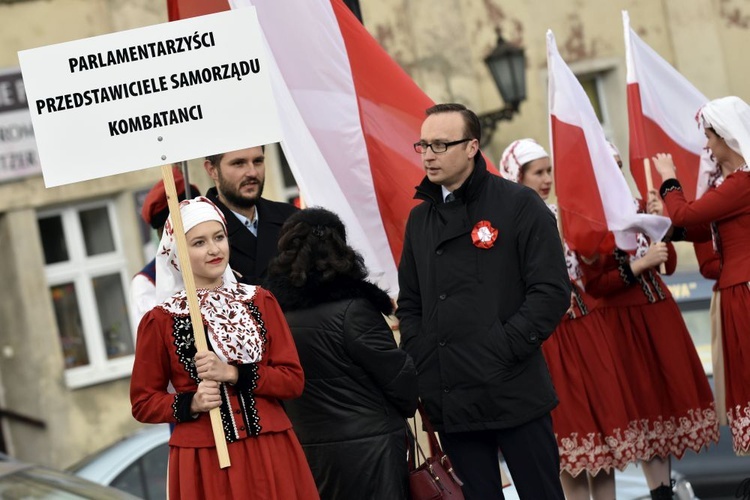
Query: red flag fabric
[184, 9]
[349, 118]
[662, 106]
[593, 197]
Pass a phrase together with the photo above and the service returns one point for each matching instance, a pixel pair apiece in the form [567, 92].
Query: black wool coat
[474, 318]
[359, 387]
[249, 255]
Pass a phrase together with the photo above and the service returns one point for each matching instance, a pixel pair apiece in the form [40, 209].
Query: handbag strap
[436, 450]
[415, 450]
[430, 431]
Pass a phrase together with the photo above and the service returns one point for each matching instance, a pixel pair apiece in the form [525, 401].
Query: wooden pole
[649, 188]
[649, 178]
[195, 312]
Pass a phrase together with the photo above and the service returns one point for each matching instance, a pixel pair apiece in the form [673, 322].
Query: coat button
[447, 390]
[439, 251]
[442, 343]
[443, 296]
[242, 428]
[533, 337]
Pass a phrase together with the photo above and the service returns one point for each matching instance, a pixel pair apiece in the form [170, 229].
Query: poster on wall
[150, 96]
[18, 154]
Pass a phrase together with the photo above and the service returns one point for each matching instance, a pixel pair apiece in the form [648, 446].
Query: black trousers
[530, 450]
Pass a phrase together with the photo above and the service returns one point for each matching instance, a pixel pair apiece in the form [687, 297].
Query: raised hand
[665, 166]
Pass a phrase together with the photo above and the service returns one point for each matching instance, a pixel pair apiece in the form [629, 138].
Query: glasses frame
[424, 145]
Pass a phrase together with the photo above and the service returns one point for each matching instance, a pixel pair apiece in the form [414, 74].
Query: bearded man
[253, 222]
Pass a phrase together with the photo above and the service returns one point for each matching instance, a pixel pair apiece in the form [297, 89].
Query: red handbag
[434, 478]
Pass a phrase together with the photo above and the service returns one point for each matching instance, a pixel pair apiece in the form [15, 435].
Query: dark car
[24, 481]
[715, 473]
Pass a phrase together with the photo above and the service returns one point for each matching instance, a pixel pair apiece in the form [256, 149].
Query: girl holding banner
[594, 430]
[722, 214]
[251, 365]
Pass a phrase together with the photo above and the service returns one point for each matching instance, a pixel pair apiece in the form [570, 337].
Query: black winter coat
[249, 254]
[359, 388]
[474, 319]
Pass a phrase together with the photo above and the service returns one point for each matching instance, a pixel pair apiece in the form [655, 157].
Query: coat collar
[469, 190]
[315, 293]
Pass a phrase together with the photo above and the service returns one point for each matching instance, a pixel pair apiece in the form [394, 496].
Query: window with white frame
[86, 273]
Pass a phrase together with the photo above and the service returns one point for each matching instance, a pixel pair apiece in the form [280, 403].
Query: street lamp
[507, 64]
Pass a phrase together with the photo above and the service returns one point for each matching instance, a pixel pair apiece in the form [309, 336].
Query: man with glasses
[482, 284]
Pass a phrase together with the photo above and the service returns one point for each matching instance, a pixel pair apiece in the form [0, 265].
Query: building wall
[440, 43]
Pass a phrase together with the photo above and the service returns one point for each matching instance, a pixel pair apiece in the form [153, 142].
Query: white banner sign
[149, 96]
[18, 155]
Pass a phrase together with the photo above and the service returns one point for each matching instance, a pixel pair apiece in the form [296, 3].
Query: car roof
[59, 481]
[104, 466]
[8, 467]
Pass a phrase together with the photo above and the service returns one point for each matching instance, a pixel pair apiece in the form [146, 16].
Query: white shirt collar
[251, 225]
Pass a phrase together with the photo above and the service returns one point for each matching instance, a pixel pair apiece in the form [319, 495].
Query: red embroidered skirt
[593, 423]
[674, 404]
[735, 326]
[268, 467]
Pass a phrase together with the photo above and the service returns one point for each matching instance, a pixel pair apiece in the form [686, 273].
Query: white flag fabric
[662, 110]
[593, 196]
[349, 117]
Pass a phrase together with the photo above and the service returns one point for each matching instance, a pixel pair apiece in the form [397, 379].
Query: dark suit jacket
[249, 255]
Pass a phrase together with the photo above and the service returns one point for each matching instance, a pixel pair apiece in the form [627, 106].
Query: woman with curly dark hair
[359, 386]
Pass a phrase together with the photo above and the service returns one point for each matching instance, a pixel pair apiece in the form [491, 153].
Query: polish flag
[349, 117]
[593, 197]
[662, 107]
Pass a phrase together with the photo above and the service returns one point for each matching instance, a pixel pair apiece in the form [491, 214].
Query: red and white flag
[592, 195]
[349, 118]
[662, 109]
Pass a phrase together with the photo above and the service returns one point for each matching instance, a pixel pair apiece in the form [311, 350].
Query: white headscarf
[233, 333]
[168, 274]
[729, 117]
[518, 154]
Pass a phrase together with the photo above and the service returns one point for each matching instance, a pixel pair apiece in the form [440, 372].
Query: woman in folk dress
[251, 365]
[722, 214]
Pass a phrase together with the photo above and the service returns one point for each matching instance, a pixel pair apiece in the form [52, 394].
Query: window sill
[84, 376]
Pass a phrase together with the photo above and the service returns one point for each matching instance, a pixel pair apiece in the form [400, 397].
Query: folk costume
[674, 404]
[722, 214]
[244, 327]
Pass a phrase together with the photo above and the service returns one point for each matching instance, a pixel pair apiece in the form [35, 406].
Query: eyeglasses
[437, 146]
